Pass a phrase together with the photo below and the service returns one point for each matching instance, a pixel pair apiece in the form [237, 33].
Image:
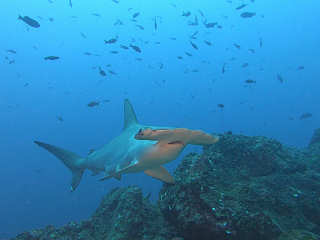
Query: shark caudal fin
[71, 160]
[129, 114]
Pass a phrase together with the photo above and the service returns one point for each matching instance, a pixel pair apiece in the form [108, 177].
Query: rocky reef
[242, 187]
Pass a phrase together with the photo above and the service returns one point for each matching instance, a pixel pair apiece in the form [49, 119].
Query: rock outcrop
[242, 187]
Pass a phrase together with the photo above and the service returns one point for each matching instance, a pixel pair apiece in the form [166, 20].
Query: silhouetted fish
[194, 45]
[155, 24]
[186, 14]
[210, 25]
[201, 13]
[83, 35]
[124, 47]
[111, 41]
[102, 72]
[31, 22]
[237, 45]
[136, 48]
[247, 14]
[305, 116]
[207, 42]
[250, 81]
[223, 68]
[51, 58]
[118, 22]
[241, 6]
[11, 61]
[93, 104]
[193, 36]
[60, 118]
[140, 27]
[280, 78]
[112, 72]
[135, 15]
[300, 68]
[12, 51]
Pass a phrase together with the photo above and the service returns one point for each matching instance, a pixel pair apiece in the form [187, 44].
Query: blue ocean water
[255, 76]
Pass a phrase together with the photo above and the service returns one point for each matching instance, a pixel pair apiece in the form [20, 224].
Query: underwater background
[250, 67]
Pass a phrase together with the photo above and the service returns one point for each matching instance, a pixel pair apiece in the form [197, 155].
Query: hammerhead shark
[139, 148]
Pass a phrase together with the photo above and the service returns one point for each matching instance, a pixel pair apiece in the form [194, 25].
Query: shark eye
[140, 133]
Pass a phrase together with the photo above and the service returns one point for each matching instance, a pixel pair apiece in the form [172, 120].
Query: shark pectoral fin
[116, 176]
[160, 173]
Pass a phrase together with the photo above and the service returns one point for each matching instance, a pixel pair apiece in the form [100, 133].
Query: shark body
[138, 148]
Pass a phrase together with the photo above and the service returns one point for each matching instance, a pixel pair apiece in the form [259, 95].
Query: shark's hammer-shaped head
[152, 134]
[176, 135]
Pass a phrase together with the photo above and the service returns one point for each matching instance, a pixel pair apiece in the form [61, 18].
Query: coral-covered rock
[315, 137]
[242, 188]
[298, 235]
[251, 188]
[313, 154]
[123, 214]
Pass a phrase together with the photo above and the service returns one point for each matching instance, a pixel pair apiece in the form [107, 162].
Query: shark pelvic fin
[160, 173]
[70, 159]
[129, 114]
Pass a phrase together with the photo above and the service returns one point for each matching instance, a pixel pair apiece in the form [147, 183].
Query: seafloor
[241, 188]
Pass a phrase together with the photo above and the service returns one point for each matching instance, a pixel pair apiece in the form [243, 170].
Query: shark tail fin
[71, 160]
[129, 114]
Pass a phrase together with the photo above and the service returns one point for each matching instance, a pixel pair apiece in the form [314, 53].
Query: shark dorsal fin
[129, 114]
